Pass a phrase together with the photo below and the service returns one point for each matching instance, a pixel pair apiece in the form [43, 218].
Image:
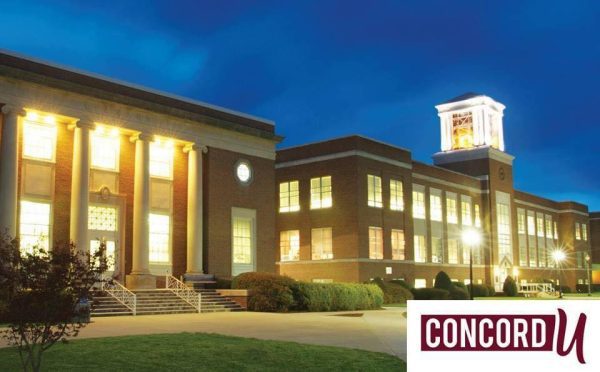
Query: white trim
[548, 209]
[340, 155]
[447, 183]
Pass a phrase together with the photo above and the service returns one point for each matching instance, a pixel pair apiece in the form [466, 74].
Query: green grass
[394, 305]
[513, 299]
[594, 294]
[198, 351]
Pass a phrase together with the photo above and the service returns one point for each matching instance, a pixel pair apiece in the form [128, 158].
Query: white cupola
[469, 121]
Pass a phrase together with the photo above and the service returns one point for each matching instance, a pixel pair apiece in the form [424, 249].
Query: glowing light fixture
[471, 237]
[33, 116]
[558, 256]
[50, 119]
[114, 132]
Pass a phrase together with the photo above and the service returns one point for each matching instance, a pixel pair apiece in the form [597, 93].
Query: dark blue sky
[321, 69]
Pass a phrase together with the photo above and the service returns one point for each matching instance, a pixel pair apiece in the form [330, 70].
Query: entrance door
[103, 227]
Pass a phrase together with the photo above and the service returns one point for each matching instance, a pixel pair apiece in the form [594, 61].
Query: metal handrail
[120, 293]
[184, 292]
[536, 287]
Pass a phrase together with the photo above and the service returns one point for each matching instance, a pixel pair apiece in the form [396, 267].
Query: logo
[503, 335]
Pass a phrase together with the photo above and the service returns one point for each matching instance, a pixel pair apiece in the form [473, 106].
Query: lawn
[199, 351]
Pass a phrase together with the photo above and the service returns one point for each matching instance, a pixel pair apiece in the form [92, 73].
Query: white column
[9, 171]
[140, 276]
[80, 186]
[194, 209]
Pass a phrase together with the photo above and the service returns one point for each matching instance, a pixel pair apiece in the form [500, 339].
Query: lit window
[477, 216]
[289, 244]
[521, 221]
[462, 130]
[465, 208]
[504, 233]
[105, 150]
[452, 251]
[555, 231]
[289, 197]
[39, 140]
[160, 237]
[320, 192]
[243, 172]
[437, 250]
[548, 227]
[435, 205]
[530, 224]
[418, 204]
[466, 254]
[374, 191]
[540, 225]
[523, 251]
[398, 245]
[375, 243]
[577, 231]
[584, 231]
[161, 160]
[34, 226]
[420, 249]
[321, 244]
[396, 195]
[420, 283]
[242, 240]
[109, 254]
[451, 213]
[102, 218]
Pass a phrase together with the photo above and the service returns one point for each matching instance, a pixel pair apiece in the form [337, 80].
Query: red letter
[577, 335]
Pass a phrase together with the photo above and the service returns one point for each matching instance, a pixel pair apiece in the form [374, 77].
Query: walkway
[377, 330]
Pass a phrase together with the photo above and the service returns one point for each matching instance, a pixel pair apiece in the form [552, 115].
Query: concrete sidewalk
[376, 330]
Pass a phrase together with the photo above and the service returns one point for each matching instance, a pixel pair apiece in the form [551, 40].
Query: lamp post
[588, 259]
[558, 256]
[471, 238]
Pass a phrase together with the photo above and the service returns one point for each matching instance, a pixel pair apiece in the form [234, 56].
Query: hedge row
[395, 291]
[276, 293]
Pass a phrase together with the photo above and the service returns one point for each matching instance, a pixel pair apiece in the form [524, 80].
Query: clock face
[243, 172]
[501, 173]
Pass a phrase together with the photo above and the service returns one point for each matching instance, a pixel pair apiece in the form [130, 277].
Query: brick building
[353, 208]
[173, 186]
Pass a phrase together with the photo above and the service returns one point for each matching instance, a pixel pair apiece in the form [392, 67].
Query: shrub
[491, 290]
[479, 290]
[510, 287]
[223, 283]
[336, 296]
[431, 294]
[401, 282]
[394, 292]
[442, 281]
[565, 289]
[458, 293]
[270, 292]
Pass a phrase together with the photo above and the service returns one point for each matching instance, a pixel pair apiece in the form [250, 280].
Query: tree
[442, 281]
[43, 295]
[510, 287]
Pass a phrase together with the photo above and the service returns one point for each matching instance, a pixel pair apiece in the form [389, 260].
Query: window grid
[451, 212]
[289, 244]
[420, 249]
[105, 152]
[375, 243]
[452, 251]
[34, 226]
[289, 197]
[102, 218]
[39, 141]
[418, 204]
[477, 215]
[521, 221]
[577, 231]
[374, 198]
[435, 206]
[242, 240]
[161, 160]
[504, 245]
[398, 245]
[396, 195]
[321, 243]
[584, 231]
[465, 207]
[320, 192]
[437, 250]
[160, 236]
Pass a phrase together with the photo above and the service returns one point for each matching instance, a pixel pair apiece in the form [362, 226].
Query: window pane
[451, 212]
[321, 244]
[420, 249]
[418, 204]
[102, 218]
[289, 197]
[375, 243]
[374, 191]
[396, 196]
[161, 160]
[39, 140]
[105, 151]
[320, 192]
[289, 243]
[398, 244]
[34, 226]
[160, 235]
[435, 205]
[242, 240]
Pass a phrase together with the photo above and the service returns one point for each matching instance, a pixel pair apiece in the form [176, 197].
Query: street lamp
[471, 238]
[588, 259]
[558, 256]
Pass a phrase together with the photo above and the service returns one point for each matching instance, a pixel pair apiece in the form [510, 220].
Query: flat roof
[55, 75]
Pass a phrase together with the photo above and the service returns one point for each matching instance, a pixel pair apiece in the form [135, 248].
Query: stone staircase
[163, 301]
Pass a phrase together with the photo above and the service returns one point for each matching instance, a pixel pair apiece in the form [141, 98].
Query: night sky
[323, 69]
